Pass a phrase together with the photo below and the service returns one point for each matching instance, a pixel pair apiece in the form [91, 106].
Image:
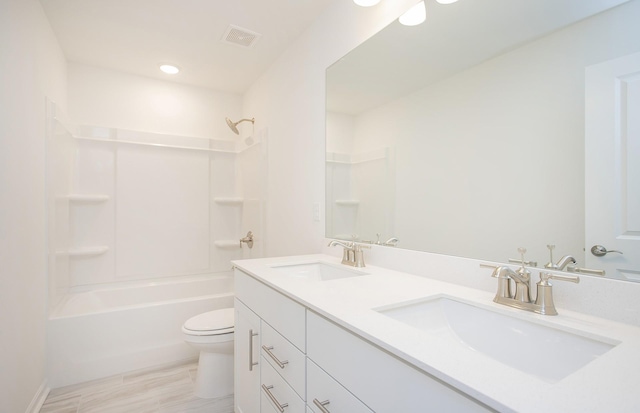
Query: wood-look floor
[163, 390]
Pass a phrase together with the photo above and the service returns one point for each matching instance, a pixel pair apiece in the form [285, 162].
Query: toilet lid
[218, 321]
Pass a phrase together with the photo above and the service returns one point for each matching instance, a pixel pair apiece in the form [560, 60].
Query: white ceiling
[135, 36]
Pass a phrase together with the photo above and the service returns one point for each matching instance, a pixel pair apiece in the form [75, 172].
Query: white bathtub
[106, 331]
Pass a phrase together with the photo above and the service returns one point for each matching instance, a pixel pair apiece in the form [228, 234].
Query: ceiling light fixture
[414, 16]
[366, 3]
[446, 1]
[169, 69]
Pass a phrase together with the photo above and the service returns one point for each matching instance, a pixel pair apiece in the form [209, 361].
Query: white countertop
[607, 384]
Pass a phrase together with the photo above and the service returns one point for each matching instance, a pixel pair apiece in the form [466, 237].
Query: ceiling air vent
[241, 37]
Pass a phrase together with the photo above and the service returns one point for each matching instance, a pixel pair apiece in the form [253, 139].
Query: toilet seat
[212, 323]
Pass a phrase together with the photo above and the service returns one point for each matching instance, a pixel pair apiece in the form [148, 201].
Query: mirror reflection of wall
[354, 178]
[487, 157]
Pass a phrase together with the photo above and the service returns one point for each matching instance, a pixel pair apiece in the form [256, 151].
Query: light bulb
[169, 69]
[414, 16]
[366, 3]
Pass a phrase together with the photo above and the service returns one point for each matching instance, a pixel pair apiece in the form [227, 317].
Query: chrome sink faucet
[352, 254]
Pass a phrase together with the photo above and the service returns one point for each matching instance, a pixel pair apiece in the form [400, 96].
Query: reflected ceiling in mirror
[465, 135]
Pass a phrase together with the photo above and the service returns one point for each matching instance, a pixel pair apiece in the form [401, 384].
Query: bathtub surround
[156, 199]
[143, 229]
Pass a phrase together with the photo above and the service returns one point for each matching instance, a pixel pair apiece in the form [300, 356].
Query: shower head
[234, 125]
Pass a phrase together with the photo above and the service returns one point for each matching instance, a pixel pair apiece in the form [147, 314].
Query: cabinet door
[246, 358]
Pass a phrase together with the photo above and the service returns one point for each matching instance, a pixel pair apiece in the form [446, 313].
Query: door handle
[600, 251]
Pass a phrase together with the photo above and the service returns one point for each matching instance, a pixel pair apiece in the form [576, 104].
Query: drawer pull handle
[321, 405]
[251, 362]
[267, 389]
[267, 350]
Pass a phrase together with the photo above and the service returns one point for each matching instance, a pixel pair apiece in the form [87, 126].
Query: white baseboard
[39, 398]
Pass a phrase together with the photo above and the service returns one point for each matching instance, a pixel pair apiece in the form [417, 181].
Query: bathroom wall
[32, 66]
[289, 100]
[105, 97]
[537, 94]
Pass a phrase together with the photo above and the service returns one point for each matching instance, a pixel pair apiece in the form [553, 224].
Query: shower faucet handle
[247, 240]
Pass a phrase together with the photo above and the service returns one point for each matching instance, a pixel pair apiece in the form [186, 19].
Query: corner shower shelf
[84, 251]
[227, 244]
[347, 202]
[87, 197]
[228, 201]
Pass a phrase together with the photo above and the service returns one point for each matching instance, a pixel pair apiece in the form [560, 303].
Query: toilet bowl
[211, 333]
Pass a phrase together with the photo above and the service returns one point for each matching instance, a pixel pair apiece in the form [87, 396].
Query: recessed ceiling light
[366, 3]
[446, 1]
[169, 69]
[415, 15]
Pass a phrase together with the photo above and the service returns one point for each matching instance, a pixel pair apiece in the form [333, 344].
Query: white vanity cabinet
[278, 350]
[383, 382]
[305, 359]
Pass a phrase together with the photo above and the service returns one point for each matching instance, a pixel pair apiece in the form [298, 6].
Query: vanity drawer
[277, 349]
[280, 312]
[275, 392]
[323, 388]
[382, 381]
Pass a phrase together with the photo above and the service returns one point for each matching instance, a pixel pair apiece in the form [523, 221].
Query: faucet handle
[544, 299]
[551, 265]
[522, 270]
[573, 268]
[545, 277]
[527, 263]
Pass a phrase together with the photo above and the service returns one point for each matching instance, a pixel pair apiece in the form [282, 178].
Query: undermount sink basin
[319, 271]
[545, 352]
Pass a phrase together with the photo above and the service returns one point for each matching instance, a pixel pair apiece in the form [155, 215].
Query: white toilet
[212, 334]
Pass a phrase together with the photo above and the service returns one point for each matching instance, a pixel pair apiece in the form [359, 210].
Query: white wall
[32, 66]
[289, 100]
[115, 99]
[517, 156]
